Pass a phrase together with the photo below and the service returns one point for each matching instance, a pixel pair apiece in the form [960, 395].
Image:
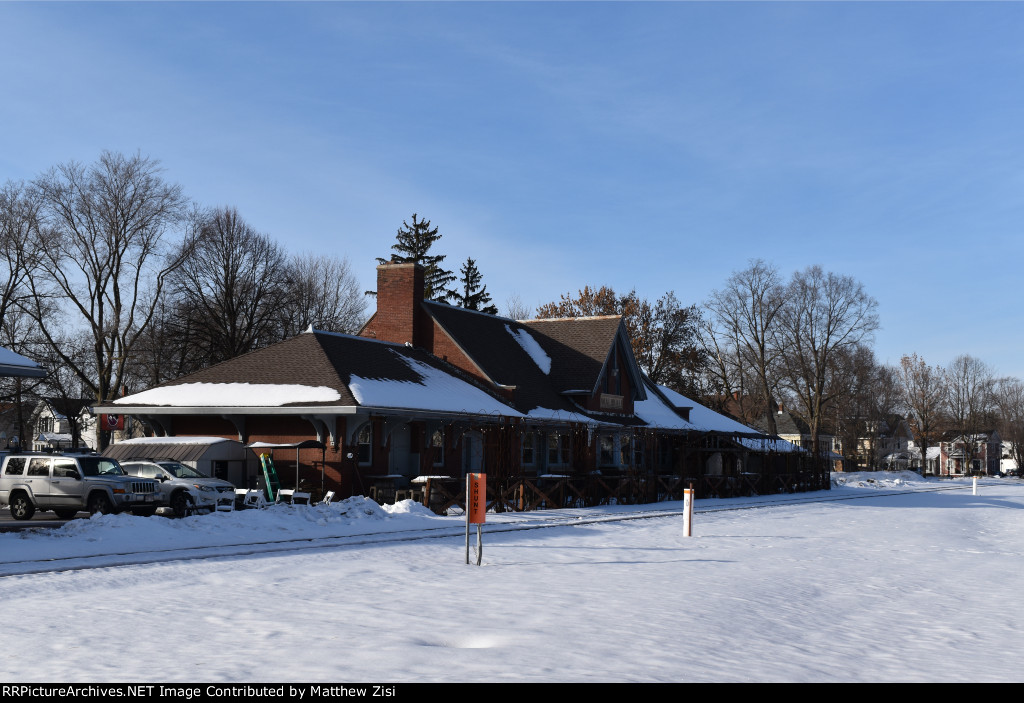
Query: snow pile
[408, 507]
[232, 395]
[531, 347]
[880, 479]
[127, 533]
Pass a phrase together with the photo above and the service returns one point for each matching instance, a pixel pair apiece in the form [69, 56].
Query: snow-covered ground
[921, 586]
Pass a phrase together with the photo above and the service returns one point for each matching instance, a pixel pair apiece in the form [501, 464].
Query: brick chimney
[399, 294]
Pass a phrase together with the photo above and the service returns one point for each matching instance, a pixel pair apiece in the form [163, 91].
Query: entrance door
[399, 458]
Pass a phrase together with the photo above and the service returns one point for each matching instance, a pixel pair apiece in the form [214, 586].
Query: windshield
[100, 466]
[180, 470]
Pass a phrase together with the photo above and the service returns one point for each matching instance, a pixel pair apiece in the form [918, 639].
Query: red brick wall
[399, 293]
[445, 348]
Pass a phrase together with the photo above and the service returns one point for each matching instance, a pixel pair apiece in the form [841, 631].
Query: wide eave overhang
[299, 410]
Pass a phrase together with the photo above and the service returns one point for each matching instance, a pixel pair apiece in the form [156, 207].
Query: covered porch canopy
[258, 447]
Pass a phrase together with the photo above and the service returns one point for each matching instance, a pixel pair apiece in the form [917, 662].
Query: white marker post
[974, 490]
[687, 512]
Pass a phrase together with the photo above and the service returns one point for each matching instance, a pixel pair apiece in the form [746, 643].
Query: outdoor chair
[254, 499]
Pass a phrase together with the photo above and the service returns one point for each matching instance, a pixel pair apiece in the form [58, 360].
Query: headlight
[205, 489]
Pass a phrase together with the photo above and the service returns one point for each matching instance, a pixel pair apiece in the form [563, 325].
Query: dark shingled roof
[578, 347]
[322, 359]
[489, 343]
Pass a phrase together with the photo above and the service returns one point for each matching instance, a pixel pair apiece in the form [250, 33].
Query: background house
[62, 423]
[963, 455]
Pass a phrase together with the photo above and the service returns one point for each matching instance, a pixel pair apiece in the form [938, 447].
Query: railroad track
[28, 567]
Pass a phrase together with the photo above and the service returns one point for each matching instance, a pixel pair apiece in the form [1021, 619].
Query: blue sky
[649, 145]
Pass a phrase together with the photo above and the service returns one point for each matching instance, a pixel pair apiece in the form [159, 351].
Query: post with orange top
[688, 511]
[476, 511]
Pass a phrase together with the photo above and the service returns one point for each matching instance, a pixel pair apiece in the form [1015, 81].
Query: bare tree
[725, 379]
[1009, 398]
[667, 344]
[516, 309]
[323, 292]
[851, 413]
[970, 383]
[747, 313]
[230, 289]
[103, 249]
[19, 248]
[19, 244]
[923, 390]
[824, 313]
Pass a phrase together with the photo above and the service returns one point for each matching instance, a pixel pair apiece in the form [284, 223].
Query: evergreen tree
[473, 296]
[413, 246]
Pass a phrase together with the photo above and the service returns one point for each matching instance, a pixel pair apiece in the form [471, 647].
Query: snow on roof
[559, 416]
[655, 413]
[436, 390]
[767, 444]
[703, 418]
[231, 395]
[174, 440]
[19, 364]
[531, 347]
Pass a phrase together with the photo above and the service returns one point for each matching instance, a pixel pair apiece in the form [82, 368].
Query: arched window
[437, 447]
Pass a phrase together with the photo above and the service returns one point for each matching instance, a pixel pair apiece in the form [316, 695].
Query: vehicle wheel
[66, 513]
[21, 507]
[181, 504]
[146, 511]
[100, 503]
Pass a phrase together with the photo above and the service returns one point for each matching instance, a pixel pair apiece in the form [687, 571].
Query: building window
[437, 447]
[664, 452]
[607, 450]
[529, 449]
[364, 445]
[625, 448]
[558, 449]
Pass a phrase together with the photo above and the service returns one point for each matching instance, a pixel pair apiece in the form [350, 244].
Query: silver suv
[182, 488]
[67, 483]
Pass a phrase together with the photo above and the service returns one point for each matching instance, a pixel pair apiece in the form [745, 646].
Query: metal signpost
[476, 510]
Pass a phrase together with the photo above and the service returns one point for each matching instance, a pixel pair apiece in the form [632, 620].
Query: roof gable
[542, 359]
[579, 348]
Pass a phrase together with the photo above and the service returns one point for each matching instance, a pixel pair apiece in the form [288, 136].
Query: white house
[59, 423]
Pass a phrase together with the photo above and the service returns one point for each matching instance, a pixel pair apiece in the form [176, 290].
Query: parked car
[68, 483]
[182, 488]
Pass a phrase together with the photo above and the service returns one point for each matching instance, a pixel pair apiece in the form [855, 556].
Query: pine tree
[413, 245]
[473, 295]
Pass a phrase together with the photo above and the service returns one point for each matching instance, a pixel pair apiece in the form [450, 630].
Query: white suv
[182, 488]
